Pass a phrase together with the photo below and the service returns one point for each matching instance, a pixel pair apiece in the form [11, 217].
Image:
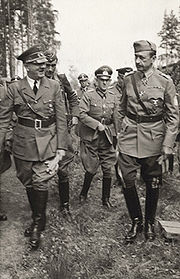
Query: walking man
[72, 113]
[39, 137]
[98, 116]
[145, 138]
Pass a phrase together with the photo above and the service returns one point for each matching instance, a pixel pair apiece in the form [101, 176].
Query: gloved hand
[52, 164]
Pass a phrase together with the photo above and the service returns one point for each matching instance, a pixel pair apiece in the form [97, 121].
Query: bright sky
[101, 32]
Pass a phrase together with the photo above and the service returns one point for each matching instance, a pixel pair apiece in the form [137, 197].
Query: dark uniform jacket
[117, 90]
[97, 107]
[70, 96]
[158, 94]
[29, 143]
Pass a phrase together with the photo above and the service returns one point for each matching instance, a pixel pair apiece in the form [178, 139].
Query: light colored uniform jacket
[29, 143]
[159, 96]
[94, 108]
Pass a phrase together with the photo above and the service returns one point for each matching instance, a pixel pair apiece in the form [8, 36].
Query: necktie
[35, 89]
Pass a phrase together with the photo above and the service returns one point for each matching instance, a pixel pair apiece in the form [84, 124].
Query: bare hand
[163, 160]
[52, 165]
[74, 120]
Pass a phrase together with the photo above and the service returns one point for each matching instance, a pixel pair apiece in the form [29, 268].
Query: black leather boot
[64, 198]
[40, 217]
[31, 199]
[106, 187]
[86, 185]
[134, 208]
[152, 196]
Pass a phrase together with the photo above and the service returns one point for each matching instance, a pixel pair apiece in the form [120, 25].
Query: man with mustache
[149, 124]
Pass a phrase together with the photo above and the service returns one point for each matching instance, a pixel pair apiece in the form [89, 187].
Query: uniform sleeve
[84, 108]
[61, 122]
[6, 110]
[122, 105]
[71, 96]
[172, 114]
[116, 115]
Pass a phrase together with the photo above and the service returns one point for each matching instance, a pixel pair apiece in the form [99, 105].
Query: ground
[92, 244]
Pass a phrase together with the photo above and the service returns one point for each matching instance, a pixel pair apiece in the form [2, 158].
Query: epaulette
[130, 73]
[90, 90]
[164, 75]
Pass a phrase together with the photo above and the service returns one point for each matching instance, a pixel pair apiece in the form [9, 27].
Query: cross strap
[137, 95]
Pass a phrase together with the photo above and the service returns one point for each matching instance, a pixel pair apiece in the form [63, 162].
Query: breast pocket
[49, 107]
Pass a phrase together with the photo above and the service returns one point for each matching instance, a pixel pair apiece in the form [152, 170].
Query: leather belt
[144, 118]
[36, 123]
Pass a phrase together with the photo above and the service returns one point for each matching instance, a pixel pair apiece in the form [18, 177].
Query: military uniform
[39, 135]
[82, 89]
[96, 147]
[72, 111]
[144, 132]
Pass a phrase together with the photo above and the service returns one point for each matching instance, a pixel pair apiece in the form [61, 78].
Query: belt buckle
[38, 124]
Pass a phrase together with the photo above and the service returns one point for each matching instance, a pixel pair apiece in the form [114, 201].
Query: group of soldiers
[130, 125]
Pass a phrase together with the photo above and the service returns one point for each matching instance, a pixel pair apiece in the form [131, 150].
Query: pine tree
[24, 22]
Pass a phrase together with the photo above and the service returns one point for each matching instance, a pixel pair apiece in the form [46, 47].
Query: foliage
[170, 34]
[24, 23]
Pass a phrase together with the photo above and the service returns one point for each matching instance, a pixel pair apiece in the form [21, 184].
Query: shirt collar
[31, 82]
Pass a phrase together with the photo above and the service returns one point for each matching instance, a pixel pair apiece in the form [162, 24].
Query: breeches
[67, 159]
[149, 167]
[98, 152]
[33, 174]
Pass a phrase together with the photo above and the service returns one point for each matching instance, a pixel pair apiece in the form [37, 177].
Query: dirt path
[14, 203]
[95, 230]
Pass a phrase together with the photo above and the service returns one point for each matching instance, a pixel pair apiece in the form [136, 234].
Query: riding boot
[171, 163]
[64, 198]
[106, 188]
[40, 217]
[134, 208]
[31, 199]
[85, 188]
[152, 196]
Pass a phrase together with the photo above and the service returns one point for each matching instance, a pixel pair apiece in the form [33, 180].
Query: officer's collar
[101, 92]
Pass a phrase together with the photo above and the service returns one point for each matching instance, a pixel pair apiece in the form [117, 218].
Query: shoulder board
[130, 73]
[90, 90]
[164, 75]
[111, 92]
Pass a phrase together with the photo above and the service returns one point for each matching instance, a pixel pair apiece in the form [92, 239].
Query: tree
[23, 23]
[170, 35]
